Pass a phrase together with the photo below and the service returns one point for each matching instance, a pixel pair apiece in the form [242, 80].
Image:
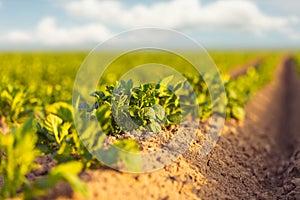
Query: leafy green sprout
[18, 153]
[145, 107]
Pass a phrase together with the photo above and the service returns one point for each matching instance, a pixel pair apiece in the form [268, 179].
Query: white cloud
[47, 32]
[234, 15]
[168, 14]
[17, 36]
[287, 6]
[102, 17]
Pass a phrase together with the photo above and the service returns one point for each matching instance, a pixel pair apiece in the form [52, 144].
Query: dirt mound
[253, 163]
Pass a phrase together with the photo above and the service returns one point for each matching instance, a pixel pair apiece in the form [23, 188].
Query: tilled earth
[255, 159]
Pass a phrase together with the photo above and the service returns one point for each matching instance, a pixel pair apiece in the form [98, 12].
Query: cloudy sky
[81, 24]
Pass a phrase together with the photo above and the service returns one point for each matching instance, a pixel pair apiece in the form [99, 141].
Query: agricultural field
[42, 155]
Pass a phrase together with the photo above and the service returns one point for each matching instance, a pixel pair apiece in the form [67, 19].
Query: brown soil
[4, 129]
[45, 164]
[256, 159]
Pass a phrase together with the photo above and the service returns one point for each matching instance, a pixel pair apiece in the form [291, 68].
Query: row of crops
[36, 110]
[297, 59]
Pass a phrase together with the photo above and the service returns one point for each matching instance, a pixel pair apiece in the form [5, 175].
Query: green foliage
[59, 137]
[55, 126]
[41, 84]
[61, 109]
[227, 61]
[240, 91]
[16, 102]
[296, 58]
[17, 154]
[123, 107]
[149, 106]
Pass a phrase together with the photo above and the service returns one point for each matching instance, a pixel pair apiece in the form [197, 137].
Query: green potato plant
[123, 107]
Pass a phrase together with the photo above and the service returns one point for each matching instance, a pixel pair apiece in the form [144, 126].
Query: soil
[258, 158]
[4, 128]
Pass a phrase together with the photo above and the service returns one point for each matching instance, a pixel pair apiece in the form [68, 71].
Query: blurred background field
[43, 44]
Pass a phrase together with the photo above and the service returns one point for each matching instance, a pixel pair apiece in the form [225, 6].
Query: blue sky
[82, 24]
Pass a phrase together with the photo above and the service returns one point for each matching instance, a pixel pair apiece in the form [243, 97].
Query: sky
[82, 24]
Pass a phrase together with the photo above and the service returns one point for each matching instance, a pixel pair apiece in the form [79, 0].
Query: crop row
[36, 112]
[297, 60]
